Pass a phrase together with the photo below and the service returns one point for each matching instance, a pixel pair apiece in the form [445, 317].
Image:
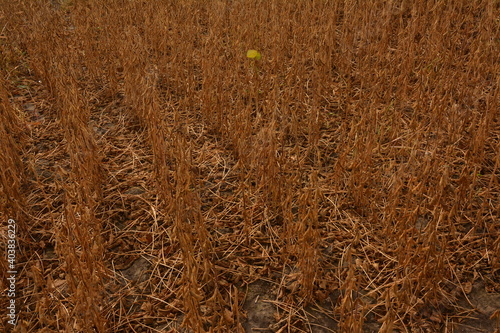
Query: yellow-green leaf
[253, 54]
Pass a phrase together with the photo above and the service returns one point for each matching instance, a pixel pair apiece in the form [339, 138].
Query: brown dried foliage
[156, 172]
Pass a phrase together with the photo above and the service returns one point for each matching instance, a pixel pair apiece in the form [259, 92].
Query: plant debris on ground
[251, 166]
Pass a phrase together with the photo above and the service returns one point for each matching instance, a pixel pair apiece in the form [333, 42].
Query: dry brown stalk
[165, 177]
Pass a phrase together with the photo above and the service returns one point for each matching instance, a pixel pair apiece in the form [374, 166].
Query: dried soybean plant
[352, 169]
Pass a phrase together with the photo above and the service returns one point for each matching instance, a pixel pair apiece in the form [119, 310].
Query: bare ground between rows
[263, 313]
